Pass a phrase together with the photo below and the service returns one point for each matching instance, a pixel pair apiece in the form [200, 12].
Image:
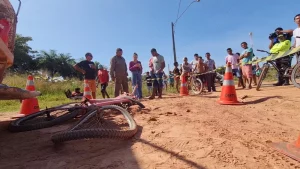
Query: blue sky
[101, 26]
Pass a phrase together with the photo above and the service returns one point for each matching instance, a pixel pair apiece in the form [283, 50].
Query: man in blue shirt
[246, 57]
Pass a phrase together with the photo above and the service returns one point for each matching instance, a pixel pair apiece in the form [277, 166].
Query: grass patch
[52, 93]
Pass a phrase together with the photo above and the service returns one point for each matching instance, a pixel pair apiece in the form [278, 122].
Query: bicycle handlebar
[266, 52]
[263, 51]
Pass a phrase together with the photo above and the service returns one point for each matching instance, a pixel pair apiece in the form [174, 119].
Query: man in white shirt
[234, 60]
[296, 35]
[195, 62]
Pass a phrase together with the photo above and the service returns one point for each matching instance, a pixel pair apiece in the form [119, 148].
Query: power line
[184, 12]
[178, 8]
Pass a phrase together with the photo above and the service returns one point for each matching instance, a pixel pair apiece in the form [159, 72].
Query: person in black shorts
[177, 74]
[149, 83]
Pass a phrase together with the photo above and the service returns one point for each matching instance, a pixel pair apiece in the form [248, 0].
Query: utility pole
[173, 24]
[173, 38]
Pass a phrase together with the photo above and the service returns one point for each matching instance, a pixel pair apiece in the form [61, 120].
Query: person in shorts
[246, 57]
[103, 79]
[171, 79]
[157, 65]
[88, 68]
[186, 69]
[149, 82]
[176, 73]
[255, 67]
[234, 60]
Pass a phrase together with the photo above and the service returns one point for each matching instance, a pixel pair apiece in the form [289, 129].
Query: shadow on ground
[173, 154]
[34, 149]
[261, 100]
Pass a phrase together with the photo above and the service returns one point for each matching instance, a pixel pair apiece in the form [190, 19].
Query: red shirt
[103, 76]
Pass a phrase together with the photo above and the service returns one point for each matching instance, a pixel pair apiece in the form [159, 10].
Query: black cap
[153, 50]
[118, 49]
[88, 54]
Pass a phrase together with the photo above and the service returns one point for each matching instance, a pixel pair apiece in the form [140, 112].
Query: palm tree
[54, 62]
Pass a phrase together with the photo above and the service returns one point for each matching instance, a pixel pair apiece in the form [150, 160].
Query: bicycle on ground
[92, 113]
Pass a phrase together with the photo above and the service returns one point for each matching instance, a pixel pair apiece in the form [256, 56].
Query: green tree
[54, 62]
[221, 70]
[23, 54]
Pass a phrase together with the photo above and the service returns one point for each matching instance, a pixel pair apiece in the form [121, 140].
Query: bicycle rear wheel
[197, 86]
[45, 118]
[105, 122]
[295, 77]
[262, 76]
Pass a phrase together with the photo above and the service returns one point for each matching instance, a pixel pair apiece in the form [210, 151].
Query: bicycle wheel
[135, 102]
[197, 86]
[262, 76]
[105, 122]
[296, 76]
[45, 118]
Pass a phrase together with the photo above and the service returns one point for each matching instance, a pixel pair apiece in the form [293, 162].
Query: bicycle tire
[73, 134]
[194, 86]
[262, 77]
[293, 76]
[19, 126]
[137, 103]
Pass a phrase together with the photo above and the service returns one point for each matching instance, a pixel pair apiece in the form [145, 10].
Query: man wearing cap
[157, 65]
[118, 72]
[284, 62]
[88, 68]
[279, 31]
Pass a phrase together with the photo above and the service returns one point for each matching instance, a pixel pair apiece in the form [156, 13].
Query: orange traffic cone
[183, 88]
[87, 92]
[31, 105]
[290, 149]
[228, 93]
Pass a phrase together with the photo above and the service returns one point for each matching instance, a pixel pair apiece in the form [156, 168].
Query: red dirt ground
[175, 132]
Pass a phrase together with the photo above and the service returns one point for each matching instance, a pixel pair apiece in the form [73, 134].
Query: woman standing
[136, 69]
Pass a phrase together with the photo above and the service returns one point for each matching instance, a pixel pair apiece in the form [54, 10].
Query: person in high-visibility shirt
[282, 63]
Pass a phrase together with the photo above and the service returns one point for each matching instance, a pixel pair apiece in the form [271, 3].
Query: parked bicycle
[195, 84]
[292, 73]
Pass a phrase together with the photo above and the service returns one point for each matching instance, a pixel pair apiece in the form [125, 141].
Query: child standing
[186, 68]
[176, 73]
[149, 83]
[171, 79]
[103, 79]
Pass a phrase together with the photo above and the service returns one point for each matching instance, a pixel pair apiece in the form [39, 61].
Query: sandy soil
[175, 132]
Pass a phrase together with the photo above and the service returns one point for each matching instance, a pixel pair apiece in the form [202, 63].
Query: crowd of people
[156, 78]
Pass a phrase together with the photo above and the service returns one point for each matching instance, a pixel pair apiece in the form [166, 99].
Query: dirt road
[175, 132]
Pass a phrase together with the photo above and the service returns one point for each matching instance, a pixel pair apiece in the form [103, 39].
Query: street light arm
[185, 11]
[19, 8]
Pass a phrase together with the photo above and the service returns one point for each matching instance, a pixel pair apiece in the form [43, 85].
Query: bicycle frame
[273, 63]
